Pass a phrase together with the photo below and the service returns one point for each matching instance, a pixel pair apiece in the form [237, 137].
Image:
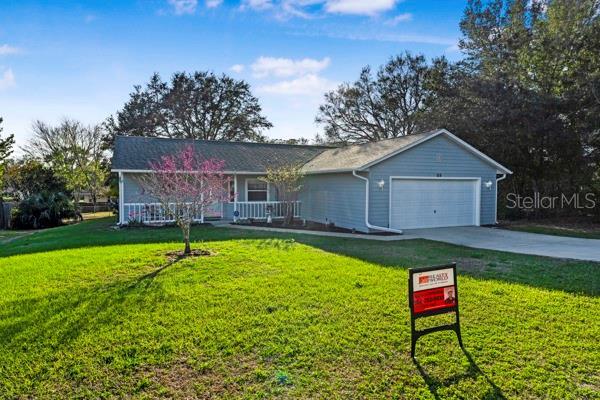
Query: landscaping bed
[309, 226]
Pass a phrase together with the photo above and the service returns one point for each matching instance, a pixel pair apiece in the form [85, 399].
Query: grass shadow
[62, 317]
[473, 371]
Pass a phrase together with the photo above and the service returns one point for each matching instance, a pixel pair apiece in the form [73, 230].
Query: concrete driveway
[514, 242]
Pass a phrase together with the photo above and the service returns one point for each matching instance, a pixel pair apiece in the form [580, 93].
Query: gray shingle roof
[357, 156]
[136, 153]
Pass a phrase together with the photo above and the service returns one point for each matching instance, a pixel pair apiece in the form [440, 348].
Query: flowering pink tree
[185, 187]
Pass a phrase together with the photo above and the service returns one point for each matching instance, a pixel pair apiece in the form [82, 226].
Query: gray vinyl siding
[438, 155]
[133, 190]
[337, 198]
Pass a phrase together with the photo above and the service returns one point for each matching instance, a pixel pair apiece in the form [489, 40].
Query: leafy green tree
[378, 107]
[6, 148]
[74, 152]
[42, 210]
[287, 180]
[199, 105]
[526, 92]
[27, 177]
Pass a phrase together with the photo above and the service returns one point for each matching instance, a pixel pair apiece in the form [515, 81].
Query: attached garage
[420, 202]
[428, 180]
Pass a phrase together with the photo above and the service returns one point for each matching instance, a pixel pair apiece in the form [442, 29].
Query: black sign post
[432, 291]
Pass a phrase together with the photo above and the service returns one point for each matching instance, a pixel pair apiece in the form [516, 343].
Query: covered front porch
[249, 198]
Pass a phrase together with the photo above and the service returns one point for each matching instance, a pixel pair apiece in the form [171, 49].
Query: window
[256, 190]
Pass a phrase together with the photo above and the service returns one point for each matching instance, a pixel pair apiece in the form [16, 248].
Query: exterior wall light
[488, 184]
[381, 184]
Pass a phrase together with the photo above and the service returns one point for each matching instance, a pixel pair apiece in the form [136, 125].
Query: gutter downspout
[498, 180]
[379, 228]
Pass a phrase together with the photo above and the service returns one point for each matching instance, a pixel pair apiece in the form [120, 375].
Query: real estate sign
[432, 291]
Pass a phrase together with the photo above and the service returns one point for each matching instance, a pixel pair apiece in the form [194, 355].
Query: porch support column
[235, 197]
[121, 195]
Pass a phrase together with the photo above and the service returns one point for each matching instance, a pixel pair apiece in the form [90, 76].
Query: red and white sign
[433, 279]
[434, 299]
[433, 290]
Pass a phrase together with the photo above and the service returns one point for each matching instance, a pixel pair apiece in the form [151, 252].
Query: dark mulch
[174, 256]
[310, 226]
[137, 225]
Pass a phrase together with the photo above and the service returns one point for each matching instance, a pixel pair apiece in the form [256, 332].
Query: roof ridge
[226, 141]
[388, 139]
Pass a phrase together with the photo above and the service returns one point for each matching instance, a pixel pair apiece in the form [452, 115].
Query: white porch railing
[259, 209]
[154, 213]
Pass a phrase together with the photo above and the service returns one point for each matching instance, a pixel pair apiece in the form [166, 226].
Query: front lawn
[578, 229]
[90, 312]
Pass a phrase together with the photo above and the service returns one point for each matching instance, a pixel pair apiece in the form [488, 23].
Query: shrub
[42, 210]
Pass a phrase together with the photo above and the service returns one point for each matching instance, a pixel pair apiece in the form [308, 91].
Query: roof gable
[354, 157]
[499, 167]
[363, 156]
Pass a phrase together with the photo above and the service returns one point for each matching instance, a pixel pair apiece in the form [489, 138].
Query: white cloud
[359, 7]
[306, 8]
[181, 7]
[7, 80]
[310, 84]
[286, 67]
[389, 37]
[6, 50]
[257, 4]
[213, 3]
[237, 68]
[400, 18]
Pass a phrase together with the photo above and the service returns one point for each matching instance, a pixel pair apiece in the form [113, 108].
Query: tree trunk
[289, 213]
[186, 239]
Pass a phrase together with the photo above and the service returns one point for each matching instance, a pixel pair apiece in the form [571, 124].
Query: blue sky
[81, 59]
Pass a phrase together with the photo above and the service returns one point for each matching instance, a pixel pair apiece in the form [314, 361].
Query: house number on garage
[432, 291]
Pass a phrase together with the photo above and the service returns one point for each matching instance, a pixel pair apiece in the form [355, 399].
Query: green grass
[90, 312]
[556, 231]
[9, 235]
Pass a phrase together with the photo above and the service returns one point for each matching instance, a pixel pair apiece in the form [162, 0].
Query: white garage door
[431, 203]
